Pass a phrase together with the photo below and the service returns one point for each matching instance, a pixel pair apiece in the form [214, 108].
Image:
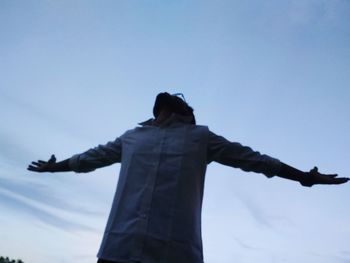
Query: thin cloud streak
[332, 258]
[324, 12]
[255, 211]
[245, 245]
[42, 215]
[13, 153]
[41, 194]
[49, 117]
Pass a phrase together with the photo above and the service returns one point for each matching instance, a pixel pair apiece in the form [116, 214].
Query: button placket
[145, 211]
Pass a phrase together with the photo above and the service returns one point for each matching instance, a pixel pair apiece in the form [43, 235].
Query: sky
[273, 75]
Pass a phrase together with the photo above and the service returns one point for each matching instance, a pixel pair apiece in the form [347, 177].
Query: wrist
[306, 180]
[50, 169]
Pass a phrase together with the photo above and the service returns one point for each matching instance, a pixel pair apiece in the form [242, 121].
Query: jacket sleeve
[100, 156]
[236, 155]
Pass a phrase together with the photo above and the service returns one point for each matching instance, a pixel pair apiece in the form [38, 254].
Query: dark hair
[173, 104]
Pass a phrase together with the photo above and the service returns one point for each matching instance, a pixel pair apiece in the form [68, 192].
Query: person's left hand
[314, 177]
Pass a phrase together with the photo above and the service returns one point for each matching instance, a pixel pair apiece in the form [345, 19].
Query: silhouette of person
[156, 211]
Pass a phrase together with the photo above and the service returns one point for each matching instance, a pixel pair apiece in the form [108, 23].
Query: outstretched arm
[309, 178]
[239, 156]
[88, 161]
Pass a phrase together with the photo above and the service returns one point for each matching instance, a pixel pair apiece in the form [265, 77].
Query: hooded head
[172, 104]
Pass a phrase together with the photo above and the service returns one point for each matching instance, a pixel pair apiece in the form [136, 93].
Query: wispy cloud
[45, 115]
[11, 152]
[19, 103]
[332, 258]
[44, 216]
[42, 194]
[318, 12]
[345, 253]
[255, 210]
[245, 245]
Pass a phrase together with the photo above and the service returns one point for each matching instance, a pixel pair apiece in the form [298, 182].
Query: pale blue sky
[273, 75]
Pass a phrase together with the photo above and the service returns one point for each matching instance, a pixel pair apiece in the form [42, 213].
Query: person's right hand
[42, 166]
[315, 177]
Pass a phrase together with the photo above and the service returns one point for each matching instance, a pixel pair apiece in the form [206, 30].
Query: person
[156, 211]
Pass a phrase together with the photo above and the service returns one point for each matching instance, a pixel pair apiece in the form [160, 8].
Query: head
[172, 104]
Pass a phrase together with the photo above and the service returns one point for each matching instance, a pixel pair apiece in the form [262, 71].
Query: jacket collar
[174, 118]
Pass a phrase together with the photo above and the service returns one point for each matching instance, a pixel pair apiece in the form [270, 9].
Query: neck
[163, 115]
